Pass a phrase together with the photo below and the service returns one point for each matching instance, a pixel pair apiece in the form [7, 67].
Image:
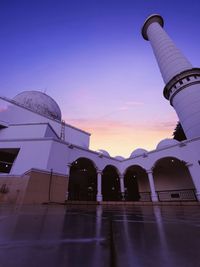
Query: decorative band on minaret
[182, 81]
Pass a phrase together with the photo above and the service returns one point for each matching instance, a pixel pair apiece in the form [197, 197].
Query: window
[181, 82]
[7, 157]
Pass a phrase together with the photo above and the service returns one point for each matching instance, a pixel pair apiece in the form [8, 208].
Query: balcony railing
[177, 195]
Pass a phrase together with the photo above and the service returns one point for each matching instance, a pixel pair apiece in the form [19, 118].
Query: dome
[103, 152]
[167, 142]
[137, 152]
[39, 102]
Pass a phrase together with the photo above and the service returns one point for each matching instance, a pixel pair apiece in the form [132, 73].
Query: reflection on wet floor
[58, 236]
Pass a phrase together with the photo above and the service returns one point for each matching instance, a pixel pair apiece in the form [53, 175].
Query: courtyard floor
[99, 236]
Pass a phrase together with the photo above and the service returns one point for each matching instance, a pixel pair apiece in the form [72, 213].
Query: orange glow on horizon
[121, 138]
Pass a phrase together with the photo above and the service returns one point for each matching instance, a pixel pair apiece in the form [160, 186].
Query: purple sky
[91, 58]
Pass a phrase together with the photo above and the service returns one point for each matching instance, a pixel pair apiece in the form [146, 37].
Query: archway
[172, 180]
[136, 184]
[82, 180]
[110, 184]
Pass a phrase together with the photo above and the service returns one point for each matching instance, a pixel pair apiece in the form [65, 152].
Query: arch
[82, 180]
[85, 158]
[110, 184]
[172, 180]
[136, 184]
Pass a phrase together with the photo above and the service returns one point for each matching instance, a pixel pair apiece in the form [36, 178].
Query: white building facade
[43, 159]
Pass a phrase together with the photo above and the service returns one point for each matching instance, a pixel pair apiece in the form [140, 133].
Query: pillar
[154, 195]
[194, 170]
[170, 59]
[182, 80]
[122, 190]
[67, 174]
[99, 185]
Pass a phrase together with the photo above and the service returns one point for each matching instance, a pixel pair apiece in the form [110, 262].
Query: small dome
[39, 102]
[103, 152]
[119, 158]
[167, 142]
[137, 152]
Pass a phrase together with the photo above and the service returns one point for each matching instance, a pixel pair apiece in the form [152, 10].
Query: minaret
[182, 81]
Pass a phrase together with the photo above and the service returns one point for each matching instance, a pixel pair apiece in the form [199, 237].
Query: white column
[170, 59]
[182, 80]
[194, 170]
[121, 179]
[154, 195]
[99, 185]
[67, 174]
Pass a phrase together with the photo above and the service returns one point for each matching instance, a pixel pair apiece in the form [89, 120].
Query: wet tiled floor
[98, 236]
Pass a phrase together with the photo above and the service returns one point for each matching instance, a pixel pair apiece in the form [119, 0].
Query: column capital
[149, 171]
[99, 171]
[121, 176]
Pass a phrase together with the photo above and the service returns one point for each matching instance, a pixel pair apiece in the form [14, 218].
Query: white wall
[32, 154]
[15, 114]
[188, 151]
[61, 155]
[23, 131]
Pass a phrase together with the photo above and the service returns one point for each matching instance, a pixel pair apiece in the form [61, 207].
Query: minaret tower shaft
[182, 81]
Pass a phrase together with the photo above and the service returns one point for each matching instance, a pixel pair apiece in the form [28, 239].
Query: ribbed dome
[39, 102]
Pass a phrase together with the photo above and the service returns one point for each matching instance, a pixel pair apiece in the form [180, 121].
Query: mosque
[43, 159]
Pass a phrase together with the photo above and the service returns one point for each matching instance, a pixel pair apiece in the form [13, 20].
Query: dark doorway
[135, 177]
[110, 184]
[83, 180]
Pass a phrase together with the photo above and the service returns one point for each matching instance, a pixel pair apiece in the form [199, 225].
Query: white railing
[177, 195]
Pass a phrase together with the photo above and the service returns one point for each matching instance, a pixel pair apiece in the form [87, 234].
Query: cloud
[162, 126]
[124, 108]
[100, 125]
[134, 103]
[130, 104]
[114, 126]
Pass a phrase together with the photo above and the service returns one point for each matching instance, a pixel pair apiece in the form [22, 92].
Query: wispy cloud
[162, 126]
[134, 103]
[130, 104]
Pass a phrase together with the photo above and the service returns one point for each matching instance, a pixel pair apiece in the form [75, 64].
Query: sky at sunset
[91, 58]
